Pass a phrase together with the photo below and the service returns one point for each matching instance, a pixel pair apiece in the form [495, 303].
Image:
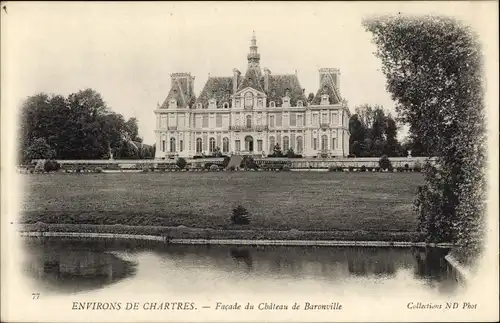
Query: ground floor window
[333, 143]
[286, 144]
[181, 145]
[163, 145]
[259, 145]
[324, 142]
[212, 145]
[199, 146]
[299, 144]
[225, 145]
[315, 143]
[172, 145]
[272, 143]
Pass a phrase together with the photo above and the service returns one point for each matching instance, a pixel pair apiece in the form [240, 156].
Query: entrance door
[249, 143]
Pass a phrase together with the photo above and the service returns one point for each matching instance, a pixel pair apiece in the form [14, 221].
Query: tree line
[80, 126]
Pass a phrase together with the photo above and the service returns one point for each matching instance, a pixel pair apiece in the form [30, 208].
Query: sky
[127, 50]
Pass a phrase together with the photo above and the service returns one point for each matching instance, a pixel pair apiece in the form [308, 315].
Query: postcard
[249, 161]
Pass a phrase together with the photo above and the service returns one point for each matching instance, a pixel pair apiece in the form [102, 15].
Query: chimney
[266, 78]
[236, 75]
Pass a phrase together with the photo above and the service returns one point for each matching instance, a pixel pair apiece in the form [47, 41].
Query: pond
[58, 266]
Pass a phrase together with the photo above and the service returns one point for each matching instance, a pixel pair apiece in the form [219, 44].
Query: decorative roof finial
[253, 57]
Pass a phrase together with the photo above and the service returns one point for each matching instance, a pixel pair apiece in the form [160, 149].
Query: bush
[40, 166]
[225, 162]
[98, 170]
[232, 168]
[240, 216]
[181, 163]
[363, 168]
[145, 169]
[377, 169]
[286, 168]
[407, 168]
[248, 163]
[385, 163]
[350, 168]
[332, 168]
[214, 168]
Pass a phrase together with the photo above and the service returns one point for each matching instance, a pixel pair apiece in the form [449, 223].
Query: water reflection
[69, 265]
[71, 268]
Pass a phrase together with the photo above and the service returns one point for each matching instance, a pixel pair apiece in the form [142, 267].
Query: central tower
[253, 57]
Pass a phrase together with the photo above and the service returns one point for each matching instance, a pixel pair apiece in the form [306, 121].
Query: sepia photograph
[249, 161]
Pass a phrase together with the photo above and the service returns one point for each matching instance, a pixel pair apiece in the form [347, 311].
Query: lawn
[308, 201]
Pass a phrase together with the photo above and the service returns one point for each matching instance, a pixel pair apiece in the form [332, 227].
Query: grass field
[276, 201]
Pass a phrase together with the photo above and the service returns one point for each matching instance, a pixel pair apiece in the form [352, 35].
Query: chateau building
[250, 113]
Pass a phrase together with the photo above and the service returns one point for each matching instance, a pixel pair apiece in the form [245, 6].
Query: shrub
[40, 166]
[145, 169]
[98, 170]
[181, 163]
[240, 216]
[332, 168]
[407, 168]
[377, 169]
[385, 163]
[232, 168]
[363, 168]
[350, 168]
[214, 168]
[286, 168]
[248, 163]
[417, 168]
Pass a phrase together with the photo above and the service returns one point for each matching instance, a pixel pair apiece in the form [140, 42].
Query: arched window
[226, 105]
[172, 145]
[299, 144]
[249, 99]
[199, 106]
[300, 103]
[286, 144]
[211, 144]
[272, 142]
[225, 145]
[199, 146]
[272, 104]
[324, 142]
[249, 121]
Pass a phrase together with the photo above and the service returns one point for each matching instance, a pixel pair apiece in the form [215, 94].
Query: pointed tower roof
[253, 74]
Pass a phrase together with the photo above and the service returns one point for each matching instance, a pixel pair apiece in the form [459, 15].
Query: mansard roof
[251, 79]
[179, 92]
[279, 85]
[327, 87]
[218, 88]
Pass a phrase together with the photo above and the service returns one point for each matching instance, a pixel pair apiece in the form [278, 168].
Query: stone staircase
[235, 161]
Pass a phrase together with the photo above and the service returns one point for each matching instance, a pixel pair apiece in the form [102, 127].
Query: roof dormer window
[286, 101]
[199, 106]
[212, 103]
[272, 104]
[259, 103]
[226, 105]
[300, 103]
[325, 99]
[172, 104]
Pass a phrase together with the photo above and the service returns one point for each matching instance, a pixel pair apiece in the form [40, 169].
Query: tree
[392, 146]
[310, 97]
[434, 73]
[358, 135]
[277, 151]
[39, 149]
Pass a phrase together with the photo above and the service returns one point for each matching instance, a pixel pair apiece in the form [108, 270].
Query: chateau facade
[251, 113]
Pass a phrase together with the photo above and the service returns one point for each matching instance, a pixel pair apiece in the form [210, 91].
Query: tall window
[278, 120]
[163, 148]
[293, 119]
[259, 103]
[324, 142]
[335, 118]
[181, 145]
[205, 121]
[212, 144]
[237, 144]
[299, 144]
[300, 120]
[271, 121]
[225, 145]
[218, 120]
[248, 100]
[315, 143]
[172, 145]
[286, 144]
[333, 143]
[324, 118]
[259, 145]
[199, 146]
[272, 143]
[249, 121]
[315, 119]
